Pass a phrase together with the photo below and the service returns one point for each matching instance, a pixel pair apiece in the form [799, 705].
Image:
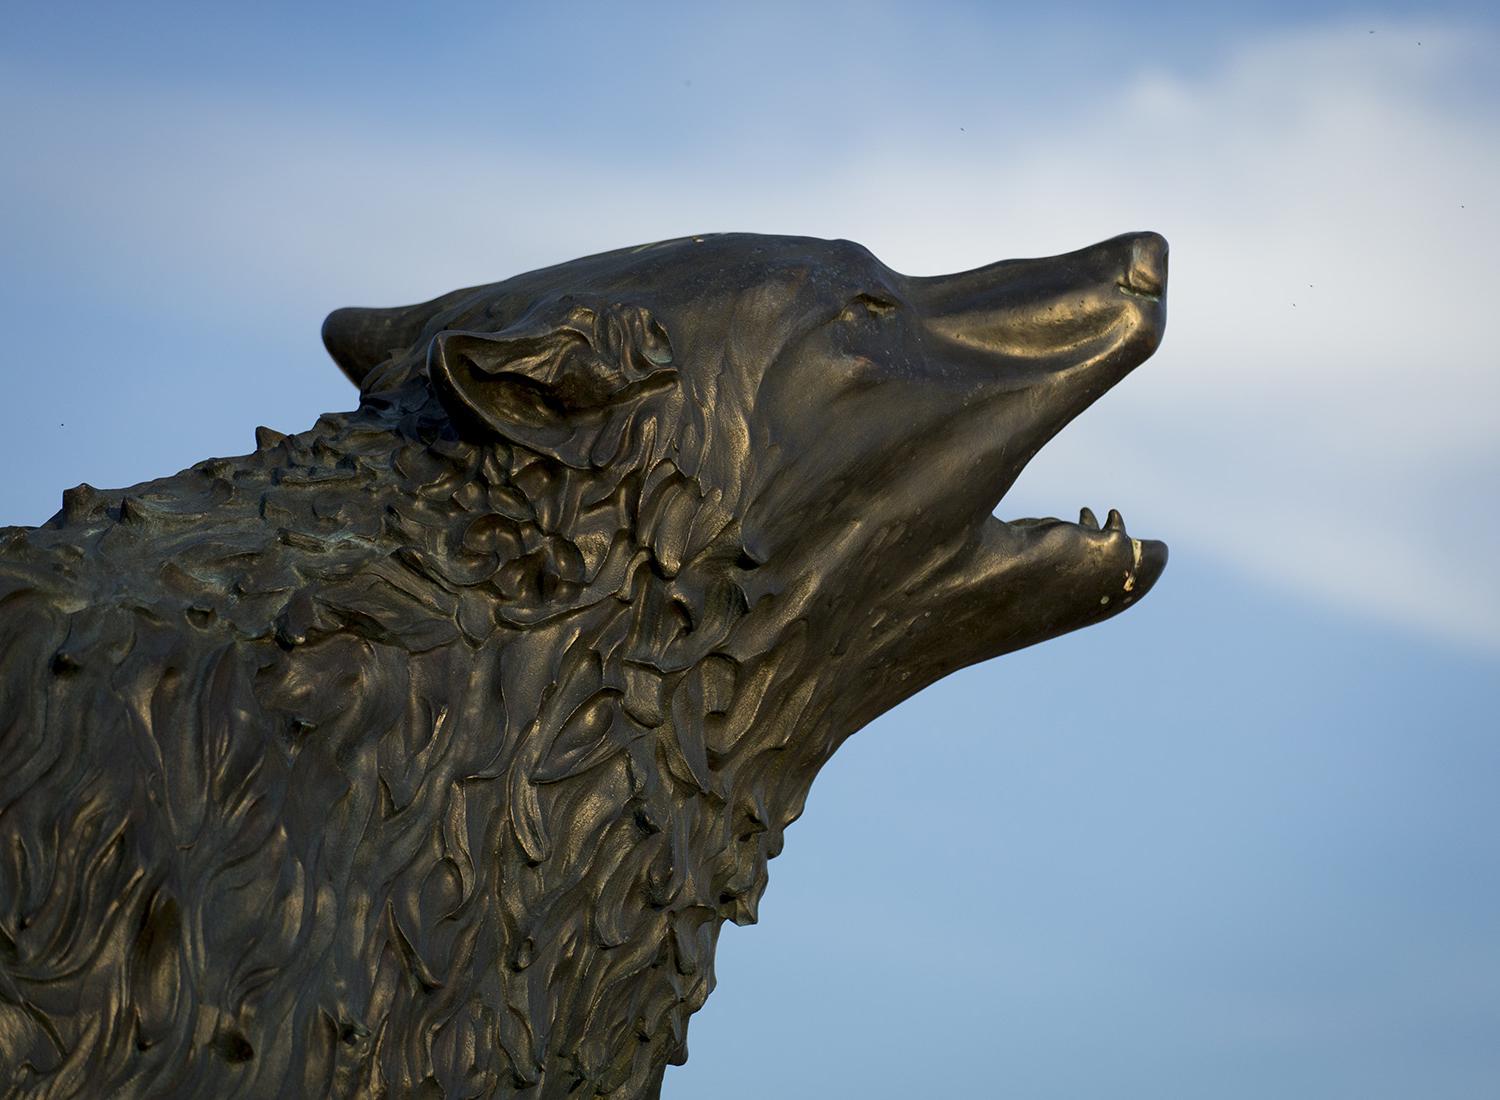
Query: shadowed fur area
[424, 753]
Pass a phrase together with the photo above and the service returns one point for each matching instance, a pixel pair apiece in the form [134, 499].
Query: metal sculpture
[425, 752]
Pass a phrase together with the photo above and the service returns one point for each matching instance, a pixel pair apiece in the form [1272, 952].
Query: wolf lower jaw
[1123, 568]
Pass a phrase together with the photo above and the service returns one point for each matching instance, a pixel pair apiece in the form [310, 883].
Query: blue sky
[1241, 842]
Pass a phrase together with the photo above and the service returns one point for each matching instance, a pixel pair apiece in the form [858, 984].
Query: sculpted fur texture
[425, 752]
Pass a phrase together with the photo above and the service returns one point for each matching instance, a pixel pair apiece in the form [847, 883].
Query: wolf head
[849, 430]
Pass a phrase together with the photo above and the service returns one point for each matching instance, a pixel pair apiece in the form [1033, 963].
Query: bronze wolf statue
[424, 752]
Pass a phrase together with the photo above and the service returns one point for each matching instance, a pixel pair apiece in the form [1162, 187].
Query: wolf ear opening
[550, 380]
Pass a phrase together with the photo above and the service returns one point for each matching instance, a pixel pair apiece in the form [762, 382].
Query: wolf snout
[1146, 272]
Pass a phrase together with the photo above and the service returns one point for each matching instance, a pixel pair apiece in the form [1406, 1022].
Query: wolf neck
[635, 830]
[646, 854]
[632, 737]
[654, 739]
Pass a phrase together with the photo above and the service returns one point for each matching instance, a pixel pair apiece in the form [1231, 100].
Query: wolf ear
[549, 380]
[359, 339]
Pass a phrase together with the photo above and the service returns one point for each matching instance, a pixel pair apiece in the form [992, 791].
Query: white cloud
[1324, 410]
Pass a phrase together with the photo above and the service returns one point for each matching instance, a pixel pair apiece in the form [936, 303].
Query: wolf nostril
[1147, 273]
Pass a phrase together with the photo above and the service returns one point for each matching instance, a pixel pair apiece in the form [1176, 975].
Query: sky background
[1243, 841]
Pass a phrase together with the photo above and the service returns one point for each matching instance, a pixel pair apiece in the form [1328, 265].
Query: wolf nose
[1147, 273]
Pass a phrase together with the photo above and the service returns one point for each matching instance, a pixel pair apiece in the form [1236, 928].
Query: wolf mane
[352, 764]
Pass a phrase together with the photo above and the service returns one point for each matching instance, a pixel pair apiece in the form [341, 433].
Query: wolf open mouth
[1108, 299]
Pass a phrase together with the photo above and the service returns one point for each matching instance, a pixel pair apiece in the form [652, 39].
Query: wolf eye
[866, 305]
